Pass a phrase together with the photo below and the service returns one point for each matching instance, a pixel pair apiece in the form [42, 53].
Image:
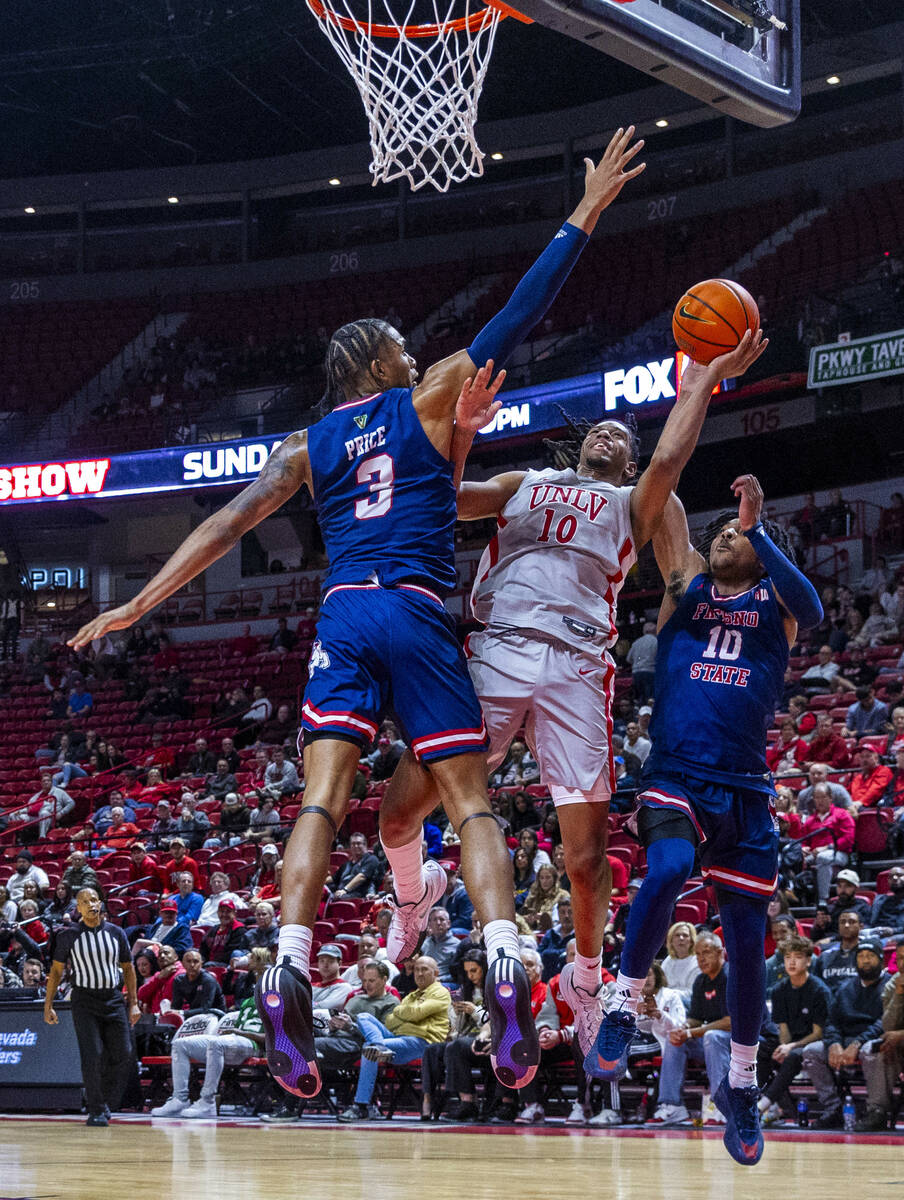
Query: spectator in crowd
[523, 815]
[883, 1059]
[800, 1008]
[543, 898]
[265, 930]
[878, 629]
[219, 890]
[240, 983]
[165, 826]
[457, 902]
[858, 672]
[635, 744]
[820, 678]
[868, 785]
[855, 1019]
[781, 927]
[156, 994]
[341, 1046]
[875, 579]
[193, 826]
[706, 1035]
[8, 908]
[179, 862]
[121, 832]
[680, 967]
[267, 880]
[165, 931]
[188, 902]
[33, 976]
[888, 911]
[818, 772]
[160, 756]
[892, 603]
[523, 875]
[236, 1039]
[259, 711]
[421, 1018]
[614, 936]
[785, 754]
[103, 816]
[47, 807]
[280, 729]
[281, 778]
[226, 939]
[145, 874]
[368, 948]
[265, 816]
[838, 962]
[233, 823]
[826, 746]
[81, 702]
[220, 782]
[284, 639]
[661, 1011]
[867, 716]
[553, 945]
[79, 874]
[895, 740]
[333, 992]
[360, 874]
[246, 644]
[519, 767]
[642, 661]
[847, 900]
[529, 840]
[196, 991]
[203, 761]
[30, 924]
[230, 754]
[25, 872]
[62, 907]
[830, 838]
[385, 759]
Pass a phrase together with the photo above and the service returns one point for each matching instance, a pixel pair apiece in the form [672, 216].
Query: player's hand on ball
[116, 618]
[739, 360]
[747, 489]
[477, 403]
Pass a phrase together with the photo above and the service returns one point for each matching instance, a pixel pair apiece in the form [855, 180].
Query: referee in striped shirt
[99, 956]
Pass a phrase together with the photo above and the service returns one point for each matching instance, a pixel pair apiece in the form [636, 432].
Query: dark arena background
[187, 213]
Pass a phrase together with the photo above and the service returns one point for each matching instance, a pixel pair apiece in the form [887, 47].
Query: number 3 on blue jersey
[378, 472]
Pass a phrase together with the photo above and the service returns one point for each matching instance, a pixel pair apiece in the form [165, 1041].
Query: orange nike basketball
[712, 317]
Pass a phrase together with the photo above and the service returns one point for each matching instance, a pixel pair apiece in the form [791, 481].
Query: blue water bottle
[803, 1114]
[849, 1113]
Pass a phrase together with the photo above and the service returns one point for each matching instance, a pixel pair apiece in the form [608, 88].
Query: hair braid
[351, 350]
[566, 452]
[711, 531]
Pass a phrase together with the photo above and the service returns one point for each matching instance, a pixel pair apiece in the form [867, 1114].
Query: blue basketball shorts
[736, 828]
[396, 646]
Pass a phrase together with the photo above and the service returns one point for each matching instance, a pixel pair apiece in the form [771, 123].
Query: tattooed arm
[286, 470]
[676, 558]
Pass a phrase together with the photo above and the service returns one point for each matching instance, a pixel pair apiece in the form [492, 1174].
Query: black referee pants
[104, 1046]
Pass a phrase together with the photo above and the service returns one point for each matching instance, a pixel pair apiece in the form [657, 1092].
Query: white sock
[588, 972]
[742, 1069]
[501, 936]
[407, 865]
[295, 943]
[627, 993]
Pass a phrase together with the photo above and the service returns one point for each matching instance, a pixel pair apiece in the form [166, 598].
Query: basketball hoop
[420, 81]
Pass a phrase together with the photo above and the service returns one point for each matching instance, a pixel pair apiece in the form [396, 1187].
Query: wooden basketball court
[135, 1159]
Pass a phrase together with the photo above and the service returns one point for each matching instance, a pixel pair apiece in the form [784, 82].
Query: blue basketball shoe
[743, 1138]
[608, 1057]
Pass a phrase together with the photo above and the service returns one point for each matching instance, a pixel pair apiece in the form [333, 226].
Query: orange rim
[459, 25]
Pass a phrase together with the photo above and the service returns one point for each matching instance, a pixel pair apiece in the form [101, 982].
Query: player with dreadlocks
[729, 615]
[381, 466]
[546, 592]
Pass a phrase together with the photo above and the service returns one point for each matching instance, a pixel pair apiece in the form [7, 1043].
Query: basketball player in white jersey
[546, 593]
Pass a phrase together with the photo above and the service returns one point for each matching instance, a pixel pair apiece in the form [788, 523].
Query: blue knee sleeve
[744, 928]
[669, 862]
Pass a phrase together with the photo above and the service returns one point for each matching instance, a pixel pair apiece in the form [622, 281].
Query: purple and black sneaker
[283, 998]
[514, 1046]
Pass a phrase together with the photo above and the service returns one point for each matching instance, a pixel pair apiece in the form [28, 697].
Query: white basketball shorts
[562, 697]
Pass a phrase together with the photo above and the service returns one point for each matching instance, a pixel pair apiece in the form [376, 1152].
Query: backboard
[727, 53]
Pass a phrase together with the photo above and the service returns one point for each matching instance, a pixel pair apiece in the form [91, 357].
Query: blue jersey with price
[720, 668]
[384, 495]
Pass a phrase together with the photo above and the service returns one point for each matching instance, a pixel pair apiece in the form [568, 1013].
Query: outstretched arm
[435, 397]
[476, 406]
[676, 558]
[682, 429]
[286, 470]
[795, 592]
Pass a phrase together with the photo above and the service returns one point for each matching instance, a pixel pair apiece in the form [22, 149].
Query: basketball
[712, 317]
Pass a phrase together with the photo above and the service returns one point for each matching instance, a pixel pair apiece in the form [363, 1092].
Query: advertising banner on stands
[871, 357]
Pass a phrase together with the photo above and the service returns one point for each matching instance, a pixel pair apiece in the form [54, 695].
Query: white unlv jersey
[558, 560]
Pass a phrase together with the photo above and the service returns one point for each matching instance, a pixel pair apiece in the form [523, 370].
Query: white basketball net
[420, 92]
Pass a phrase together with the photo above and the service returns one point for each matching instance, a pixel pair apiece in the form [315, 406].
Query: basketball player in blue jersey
[382, 467]
[725, 629]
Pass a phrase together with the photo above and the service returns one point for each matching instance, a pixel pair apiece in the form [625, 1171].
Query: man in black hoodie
[855, 1018]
